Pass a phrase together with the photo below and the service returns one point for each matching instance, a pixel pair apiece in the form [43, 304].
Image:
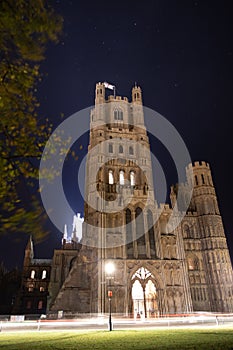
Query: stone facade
[168, 259]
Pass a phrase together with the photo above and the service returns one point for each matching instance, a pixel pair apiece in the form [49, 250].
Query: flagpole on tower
[111, 87]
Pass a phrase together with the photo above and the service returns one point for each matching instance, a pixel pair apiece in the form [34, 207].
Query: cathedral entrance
[144, 294]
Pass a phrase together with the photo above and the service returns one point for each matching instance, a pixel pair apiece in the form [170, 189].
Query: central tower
[118, 176]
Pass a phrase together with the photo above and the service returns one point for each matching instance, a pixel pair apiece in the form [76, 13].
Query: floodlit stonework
[160, 268]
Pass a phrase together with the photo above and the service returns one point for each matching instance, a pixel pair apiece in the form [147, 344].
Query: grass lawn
[206, 339]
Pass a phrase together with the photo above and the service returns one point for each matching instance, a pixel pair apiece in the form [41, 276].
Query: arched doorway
[144, 295]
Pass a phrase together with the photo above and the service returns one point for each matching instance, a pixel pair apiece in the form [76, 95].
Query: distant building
[33, 293]
[32, 297]
[160, 268]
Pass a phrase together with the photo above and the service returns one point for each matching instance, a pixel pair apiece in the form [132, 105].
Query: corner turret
[203, 189]
[137, 95]
[99, 93]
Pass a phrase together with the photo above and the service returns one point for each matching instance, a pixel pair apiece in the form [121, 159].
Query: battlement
[199, 174]
[164, 206]
[198, 164]
[117, 98]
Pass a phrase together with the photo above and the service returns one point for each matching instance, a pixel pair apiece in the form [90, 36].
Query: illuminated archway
[144, 295]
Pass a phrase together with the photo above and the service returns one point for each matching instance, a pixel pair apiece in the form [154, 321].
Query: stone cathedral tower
[160, 268]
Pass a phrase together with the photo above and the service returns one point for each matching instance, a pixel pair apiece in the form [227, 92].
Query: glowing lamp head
[109, 268]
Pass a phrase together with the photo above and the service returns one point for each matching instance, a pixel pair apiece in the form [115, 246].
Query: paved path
[102, 324]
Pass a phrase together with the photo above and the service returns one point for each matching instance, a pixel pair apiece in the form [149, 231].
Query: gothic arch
[44, 274]
[151, 232]
[121, 149]
[111, 179]
[142, 273]
[132, 177]
[193, 262]
[144, 292]
[140, 232]
[121, 177]
[186, 230]
[129, 233]
[156, 279]
[118, 114]
[131, 150]
[130, 207]
[139, 205]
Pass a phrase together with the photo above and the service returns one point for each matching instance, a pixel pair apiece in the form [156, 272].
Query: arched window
[203, 179]
[140, 233]
[187, 233]
[129, 234]
[120, 149]
[122, 177]
[131, 150]
[196, 180]
[44, 273]
[33, 273]
[193, 263]
[110, 177]
[132, 178]
[139, 222]
[151, 232]
[118, 114]
[110, 148]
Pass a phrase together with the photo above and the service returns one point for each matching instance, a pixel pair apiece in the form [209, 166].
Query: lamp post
[110, 313]
[109, 269]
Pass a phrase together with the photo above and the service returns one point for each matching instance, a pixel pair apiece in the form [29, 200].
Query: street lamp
[109, 269]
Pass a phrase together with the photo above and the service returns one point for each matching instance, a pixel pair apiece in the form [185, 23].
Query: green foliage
[26, 28]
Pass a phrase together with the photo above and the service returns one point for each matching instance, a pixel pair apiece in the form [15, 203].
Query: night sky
[179, 52]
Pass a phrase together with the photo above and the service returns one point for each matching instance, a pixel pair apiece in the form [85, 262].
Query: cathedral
[165, 258]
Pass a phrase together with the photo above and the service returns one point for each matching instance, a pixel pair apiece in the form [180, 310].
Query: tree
[26, 28]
